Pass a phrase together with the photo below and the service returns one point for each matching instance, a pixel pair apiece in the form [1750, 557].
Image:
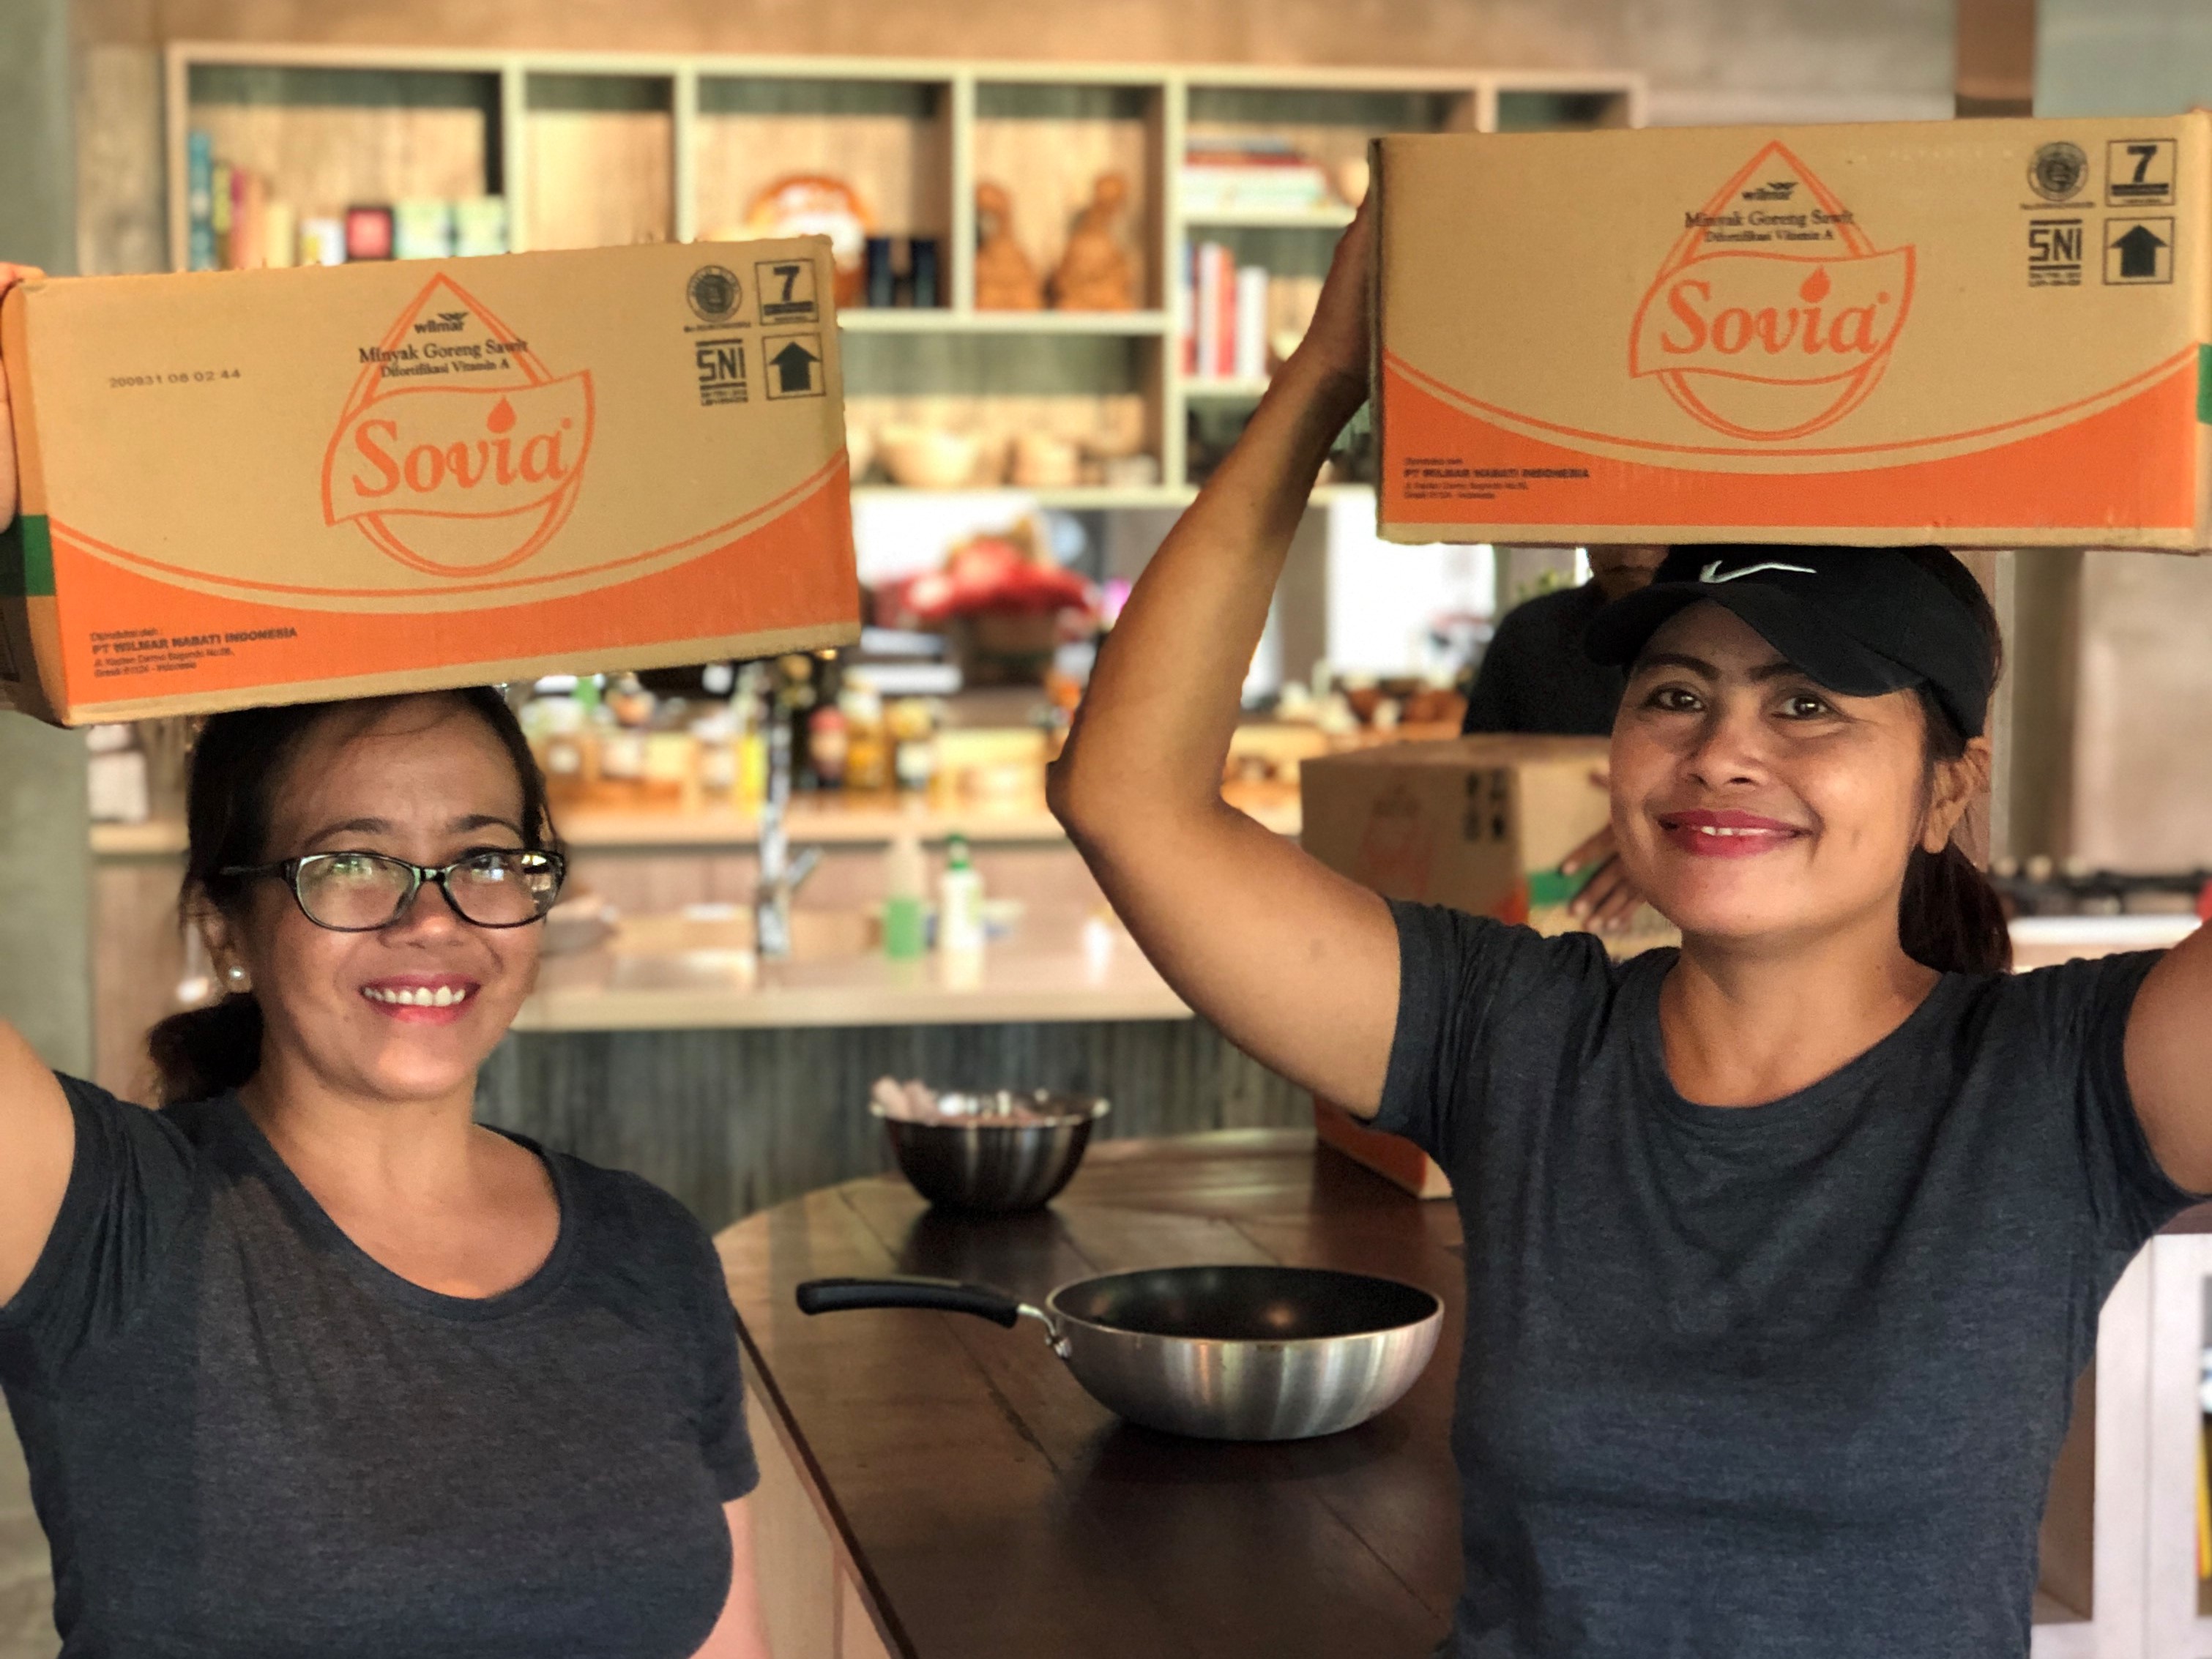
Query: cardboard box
[273, 486]
[1477, 823]
[1973, 332]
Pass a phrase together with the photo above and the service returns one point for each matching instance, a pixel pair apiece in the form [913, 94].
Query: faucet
[781, 873]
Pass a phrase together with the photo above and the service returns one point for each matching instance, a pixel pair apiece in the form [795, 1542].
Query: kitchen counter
[1055, 967]
[935, 1487]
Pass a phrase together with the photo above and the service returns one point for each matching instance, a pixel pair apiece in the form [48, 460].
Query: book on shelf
[199, 200]
[1251, 175]
[236, 222]
[1234, 322]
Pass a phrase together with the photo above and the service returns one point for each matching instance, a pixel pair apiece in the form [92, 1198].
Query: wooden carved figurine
[1095, 273]
[1005, 279]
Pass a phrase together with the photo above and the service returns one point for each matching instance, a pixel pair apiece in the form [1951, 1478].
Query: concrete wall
[46, 935]
[45, 974]
[2137, 58]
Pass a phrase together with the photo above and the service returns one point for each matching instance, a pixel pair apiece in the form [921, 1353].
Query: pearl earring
[234, 977]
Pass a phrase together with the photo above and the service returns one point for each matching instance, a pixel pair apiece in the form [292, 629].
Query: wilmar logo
[1772, 321]
[457, 453]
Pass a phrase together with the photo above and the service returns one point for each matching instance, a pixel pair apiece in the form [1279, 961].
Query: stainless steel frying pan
[1216, 1353]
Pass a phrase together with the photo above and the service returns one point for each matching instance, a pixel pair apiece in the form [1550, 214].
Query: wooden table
[934, 1486]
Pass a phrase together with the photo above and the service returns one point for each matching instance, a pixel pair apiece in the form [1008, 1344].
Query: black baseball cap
[1858, 620]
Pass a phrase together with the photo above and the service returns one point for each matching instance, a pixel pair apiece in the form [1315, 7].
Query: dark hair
[240, 762]
[1948, 917]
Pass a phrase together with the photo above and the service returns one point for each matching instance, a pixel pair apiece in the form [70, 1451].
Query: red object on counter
[2204, 904]
[992, 573]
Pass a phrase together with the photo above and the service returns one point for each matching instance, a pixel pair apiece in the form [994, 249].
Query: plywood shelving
[596, 148]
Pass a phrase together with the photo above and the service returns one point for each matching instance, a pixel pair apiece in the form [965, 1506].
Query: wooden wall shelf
[590, 148]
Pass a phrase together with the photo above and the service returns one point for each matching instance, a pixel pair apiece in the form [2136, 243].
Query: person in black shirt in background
[1536, 677]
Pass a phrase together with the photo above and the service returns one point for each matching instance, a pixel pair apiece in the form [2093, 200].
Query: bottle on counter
[748, 708]
[715, 735]
[623, 735]
[913, 733]
[797, 692]
[868, 748]
[906, 879]
[828, 746]
[959, 903]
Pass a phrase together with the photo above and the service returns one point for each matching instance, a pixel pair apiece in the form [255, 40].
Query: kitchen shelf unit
[596, 148]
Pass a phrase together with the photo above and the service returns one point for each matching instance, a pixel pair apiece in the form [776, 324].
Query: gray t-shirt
[1777, 1383]
[247, 1439]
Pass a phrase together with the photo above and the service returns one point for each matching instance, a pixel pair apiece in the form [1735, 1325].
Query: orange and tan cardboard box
[1480, 825]
[1976, 332]
[275, 486]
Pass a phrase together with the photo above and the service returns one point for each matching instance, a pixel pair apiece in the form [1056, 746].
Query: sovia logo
[458, 454]
[1769, 324]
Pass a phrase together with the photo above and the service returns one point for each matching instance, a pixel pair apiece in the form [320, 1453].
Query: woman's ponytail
[203, 1052]
[1948, 917]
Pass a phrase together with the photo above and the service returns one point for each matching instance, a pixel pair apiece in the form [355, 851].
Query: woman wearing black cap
[1783, 1251]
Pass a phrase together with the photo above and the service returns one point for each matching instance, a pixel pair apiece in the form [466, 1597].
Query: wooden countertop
[1057, 967]
[992, 1508]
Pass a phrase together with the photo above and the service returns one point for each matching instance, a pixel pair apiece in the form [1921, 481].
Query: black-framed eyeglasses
[361, 892]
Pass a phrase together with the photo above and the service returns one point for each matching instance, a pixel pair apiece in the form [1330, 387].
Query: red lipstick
[1708, 833]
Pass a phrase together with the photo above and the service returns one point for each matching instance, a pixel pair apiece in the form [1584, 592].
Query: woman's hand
[1340, 341]
[1609, 898]
[9, 275]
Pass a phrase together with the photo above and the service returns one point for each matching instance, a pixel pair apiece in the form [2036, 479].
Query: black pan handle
[818, 1296]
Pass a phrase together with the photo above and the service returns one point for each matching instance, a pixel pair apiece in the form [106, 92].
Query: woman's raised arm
[1297, 964]
[2170, 1061]
[38, 1144]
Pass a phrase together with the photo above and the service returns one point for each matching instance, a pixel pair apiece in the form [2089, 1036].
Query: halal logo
[713, 293]
[460, 455]
[2057, 172]
[1764, 345]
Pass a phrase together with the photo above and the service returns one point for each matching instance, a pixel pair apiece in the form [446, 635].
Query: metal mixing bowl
[982, 1160]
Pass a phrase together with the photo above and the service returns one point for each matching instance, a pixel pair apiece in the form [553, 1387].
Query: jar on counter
[566, 752]
[867, 746]
[716, 739]
[913, 732]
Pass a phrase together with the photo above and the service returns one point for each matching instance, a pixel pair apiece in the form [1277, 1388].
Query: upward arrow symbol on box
[794, 368]
[2139, 252]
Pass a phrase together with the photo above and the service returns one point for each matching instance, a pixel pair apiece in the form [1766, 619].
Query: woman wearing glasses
[307, 1362]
